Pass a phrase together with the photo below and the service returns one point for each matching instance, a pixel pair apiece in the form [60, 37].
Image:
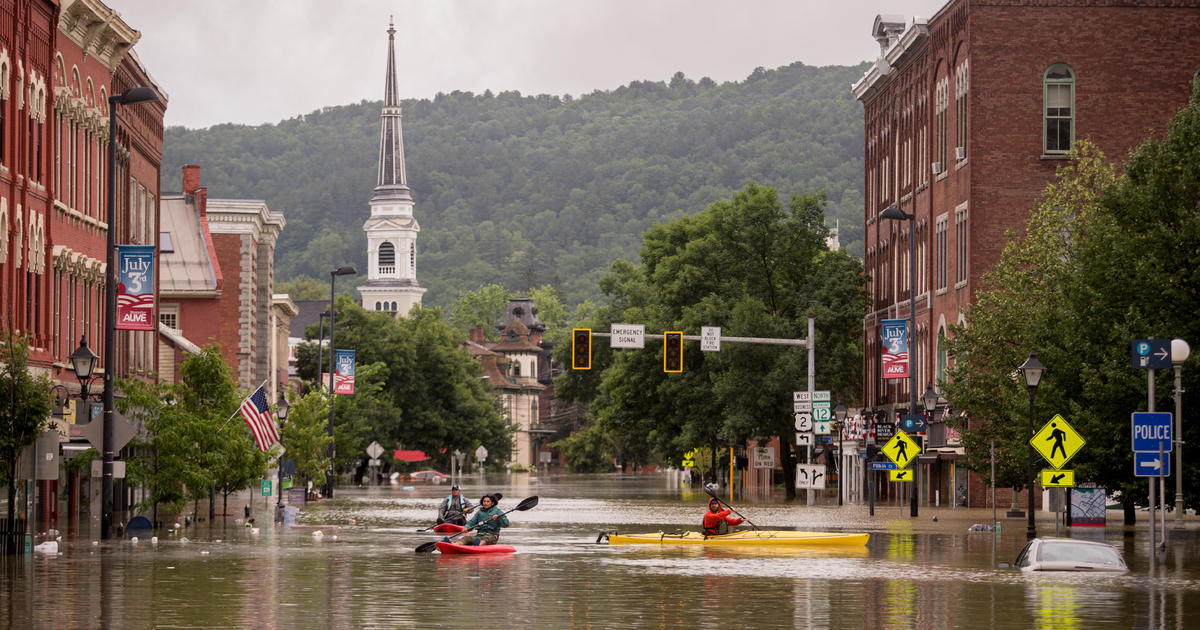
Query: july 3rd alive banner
[895, 348]
[343, 377]
[135, 287]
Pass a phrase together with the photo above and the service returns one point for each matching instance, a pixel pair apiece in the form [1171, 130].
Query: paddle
[522, 506]
[709, 492]
[425, 529]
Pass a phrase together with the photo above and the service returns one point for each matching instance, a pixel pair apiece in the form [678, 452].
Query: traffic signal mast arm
[764, 340]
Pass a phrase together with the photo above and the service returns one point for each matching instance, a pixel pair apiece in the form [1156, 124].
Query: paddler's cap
[714, 500]
[454, 487]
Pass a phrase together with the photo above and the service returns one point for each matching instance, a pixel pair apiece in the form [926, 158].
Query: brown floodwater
[362, 572]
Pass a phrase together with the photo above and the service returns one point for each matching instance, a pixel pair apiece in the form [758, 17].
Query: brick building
[967, 114]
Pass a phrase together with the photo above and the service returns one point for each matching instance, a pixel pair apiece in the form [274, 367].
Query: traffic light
[673, 351]
[581, 348]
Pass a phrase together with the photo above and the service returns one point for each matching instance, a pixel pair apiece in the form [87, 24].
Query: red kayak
[448, 528]
[452, 549]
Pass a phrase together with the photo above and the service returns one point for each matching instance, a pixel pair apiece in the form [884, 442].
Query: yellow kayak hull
[753, 537]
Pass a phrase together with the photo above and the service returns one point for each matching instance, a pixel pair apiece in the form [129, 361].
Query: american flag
[257, 413]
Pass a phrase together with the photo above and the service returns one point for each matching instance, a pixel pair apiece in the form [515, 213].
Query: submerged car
[429, 475]
[1066, 554]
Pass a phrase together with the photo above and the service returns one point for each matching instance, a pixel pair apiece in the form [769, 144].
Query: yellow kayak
[753, 537]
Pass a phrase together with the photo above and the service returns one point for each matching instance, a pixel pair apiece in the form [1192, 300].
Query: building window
[961, 234]
[960, 109]
[1058, 94]
[165, 245]
[943, 226]
[943, 103]
[168, 315]
[378, 306]
[942, 355]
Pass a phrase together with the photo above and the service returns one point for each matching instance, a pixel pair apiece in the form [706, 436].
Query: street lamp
[1032, 370]
[894, 213]
[839, 412]
[340, 271]
[1179, 353]
[929, 399]
[281, 410]
[84, 361]
[132, 96]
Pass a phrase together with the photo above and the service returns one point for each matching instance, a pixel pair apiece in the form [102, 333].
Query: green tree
[305, 437]
[480, 307]
[24, 411]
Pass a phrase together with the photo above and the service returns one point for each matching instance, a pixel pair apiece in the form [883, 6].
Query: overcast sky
[258, 61]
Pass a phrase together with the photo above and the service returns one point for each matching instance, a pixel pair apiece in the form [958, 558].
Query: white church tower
[392, 230]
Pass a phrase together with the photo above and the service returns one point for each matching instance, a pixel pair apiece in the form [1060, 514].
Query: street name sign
[900, 475]
[883, 465]
[627, 336]
[1150, 354]
[1057, 441]
[901, 449]
[710, 338]
[1058, 479]
[1151, 465]
[1150, 430]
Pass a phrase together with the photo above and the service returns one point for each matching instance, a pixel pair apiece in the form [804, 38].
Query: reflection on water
[364, 574]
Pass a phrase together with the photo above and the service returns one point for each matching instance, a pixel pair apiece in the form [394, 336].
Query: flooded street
[363, 571]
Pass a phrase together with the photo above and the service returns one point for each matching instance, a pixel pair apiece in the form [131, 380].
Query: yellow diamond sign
[1058, 478]
[1056, 441]
[900, 475]
[901, 449]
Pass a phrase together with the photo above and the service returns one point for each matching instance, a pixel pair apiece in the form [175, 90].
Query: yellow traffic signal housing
[673, 351]
[581, 348]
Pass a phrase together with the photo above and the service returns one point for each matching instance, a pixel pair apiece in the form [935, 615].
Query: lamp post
[929, 402]
[84, 361]
[1179, 353]
[281, 410]
[139, 94]
[1032, 370]
[839, 412]
[894, 213]
[340, 271]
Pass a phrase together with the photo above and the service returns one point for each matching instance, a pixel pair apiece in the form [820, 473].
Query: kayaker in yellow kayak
[718, 521]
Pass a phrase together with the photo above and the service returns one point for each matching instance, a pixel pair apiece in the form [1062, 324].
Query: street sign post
[913, 422]
[810, 476]
[1150, 354]
[822, 406]
[900, 475]
[1057, 441]
[804, 439]
[804, 422]
[1150, 430]
[710, 338]
[1151, 465]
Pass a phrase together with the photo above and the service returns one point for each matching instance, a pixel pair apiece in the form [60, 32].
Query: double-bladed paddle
[522, 506]
[709, 492]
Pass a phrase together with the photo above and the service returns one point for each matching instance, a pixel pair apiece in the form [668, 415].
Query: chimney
[191, 178]
[477, 334]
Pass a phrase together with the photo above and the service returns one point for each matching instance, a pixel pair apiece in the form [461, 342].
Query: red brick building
[967, 114]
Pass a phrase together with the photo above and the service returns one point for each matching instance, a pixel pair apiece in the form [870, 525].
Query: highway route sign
[1058, 479]
[804, 422]
[1057, 441]
[901, 449]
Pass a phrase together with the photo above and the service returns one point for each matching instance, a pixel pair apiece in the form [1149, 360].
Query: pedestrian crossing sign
[1058, 478]
[900, 475]
[1057, 441]
[901, 449]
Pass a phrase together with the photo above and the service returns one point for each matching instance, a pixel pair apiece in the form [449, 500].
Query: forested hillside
[532, 190]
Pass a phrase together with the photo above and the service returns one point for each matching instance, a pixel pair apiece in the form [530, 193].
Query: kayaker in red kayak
[718, 521]
[489, 520]
[455, 508]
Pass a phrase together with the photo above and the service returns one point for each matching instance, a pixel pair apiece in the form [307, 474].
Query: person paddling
[718, 521]
[486, 521]
[454, 508]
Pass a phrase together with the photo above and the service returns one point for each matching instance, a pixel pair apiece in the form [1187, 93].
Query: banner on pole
[343, 377]
[895, 348]
[135, 287]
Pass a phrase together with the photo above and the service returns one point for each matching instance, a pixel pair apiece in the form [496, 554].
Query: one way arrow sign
[1151, 465]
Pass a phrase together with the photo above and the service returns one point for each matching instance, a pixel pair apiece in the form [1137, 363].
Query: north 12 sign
[895, 348]
[135, 287]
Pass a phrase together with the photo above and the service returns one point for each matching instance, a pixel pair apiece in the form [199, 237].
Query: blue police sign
[1150, 430]
[1151, 465]
[1150, 354]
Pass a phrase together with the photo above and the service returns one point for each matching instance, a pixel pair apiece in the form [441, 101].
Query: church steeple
[391, 229]
[392, 182]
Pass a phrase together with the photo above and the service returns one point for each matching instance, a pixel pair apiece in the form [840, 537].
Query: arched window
[387, 258]
[395, 307]
[377, 305]
[516, 369]
[942, 356]
[1058, 112]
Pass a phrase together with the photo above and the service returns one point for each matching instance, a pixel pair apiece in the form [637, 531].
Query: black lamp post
[929, 399]
[281, 411]
[84, 361]
[839, 413]
[1032, 370]
[894, 213]
[131, 96]
[340, 271]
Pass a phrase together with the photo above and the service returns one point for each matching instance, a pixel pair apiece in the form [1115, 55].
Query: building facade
[391, 229]
[967, 114]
